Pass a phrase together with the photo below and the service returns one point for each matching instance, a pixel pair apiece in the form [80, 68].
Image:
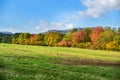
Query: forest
[98, 38]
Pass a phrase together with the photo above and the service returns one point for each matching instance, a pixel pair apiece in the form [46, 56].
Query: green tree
[88, 33]
[74, 30]
[15, 38]
[41, 36]
[68, 36]
[107, 36]
[6, 39]
[117, 38]
[1, 35]
[119, 30]
[24, 38]
[41, 39]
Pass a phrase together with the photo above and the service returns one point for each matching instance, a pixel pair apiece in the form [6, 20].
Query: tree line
[89, 38]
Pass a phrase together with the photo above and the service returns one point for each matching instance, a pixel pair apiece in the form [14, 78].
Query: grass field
[25, 62]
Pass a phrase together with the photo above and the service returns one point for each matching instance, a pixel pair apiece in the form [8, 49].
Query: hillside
[6, 32]
[62, 31]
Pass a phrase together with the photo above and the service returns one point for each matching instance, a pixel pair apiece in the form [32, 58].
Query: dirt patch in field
[88, 62]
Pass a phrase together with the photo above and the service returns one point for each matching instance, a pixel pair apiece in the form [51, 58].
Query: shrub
[64, 44]
[88, 45]
[112, 45]
[81, 45]
[99, 45]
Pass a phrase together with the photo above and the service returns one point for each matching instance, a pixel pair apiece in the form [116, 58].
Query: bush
[64, 43]
[112, 46]
[88, 45]
[99, 45]
[82, 45]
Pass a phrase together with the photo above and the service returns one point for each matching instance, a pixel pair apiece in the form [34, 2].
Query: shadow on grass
[88, 62]
[2, 65]
[2, 77]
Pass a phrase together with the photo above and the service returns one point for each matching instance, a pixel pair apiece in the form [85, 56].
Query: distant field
[25, 62]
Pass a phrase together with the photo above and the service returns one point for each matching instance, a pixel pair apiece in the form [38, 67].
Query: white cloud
[37, 27]
[42, 26]
[31, 22]
[56, 25]
[96, 8]
[70, 26]
[45, 26]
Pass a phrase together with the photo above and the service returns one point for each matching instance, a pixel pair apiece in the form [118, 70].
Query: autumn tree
[52, 38]
[68, 36]
[35, 40]
[104, 38]
[113, 45]
[58, 37]
[96, 33]
[79, 36]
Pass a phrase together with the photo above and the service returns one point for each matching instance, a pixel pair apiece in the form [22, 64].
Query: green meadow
[26, 62]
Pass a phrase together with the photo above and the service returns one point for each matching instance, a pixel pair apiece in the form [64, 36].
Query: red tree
[79, 37]
[34, 39]
[64, 43]
[96, 33]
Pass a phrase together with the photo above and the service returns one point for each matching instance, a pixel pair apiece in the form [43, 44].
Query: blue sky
[37, 16]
